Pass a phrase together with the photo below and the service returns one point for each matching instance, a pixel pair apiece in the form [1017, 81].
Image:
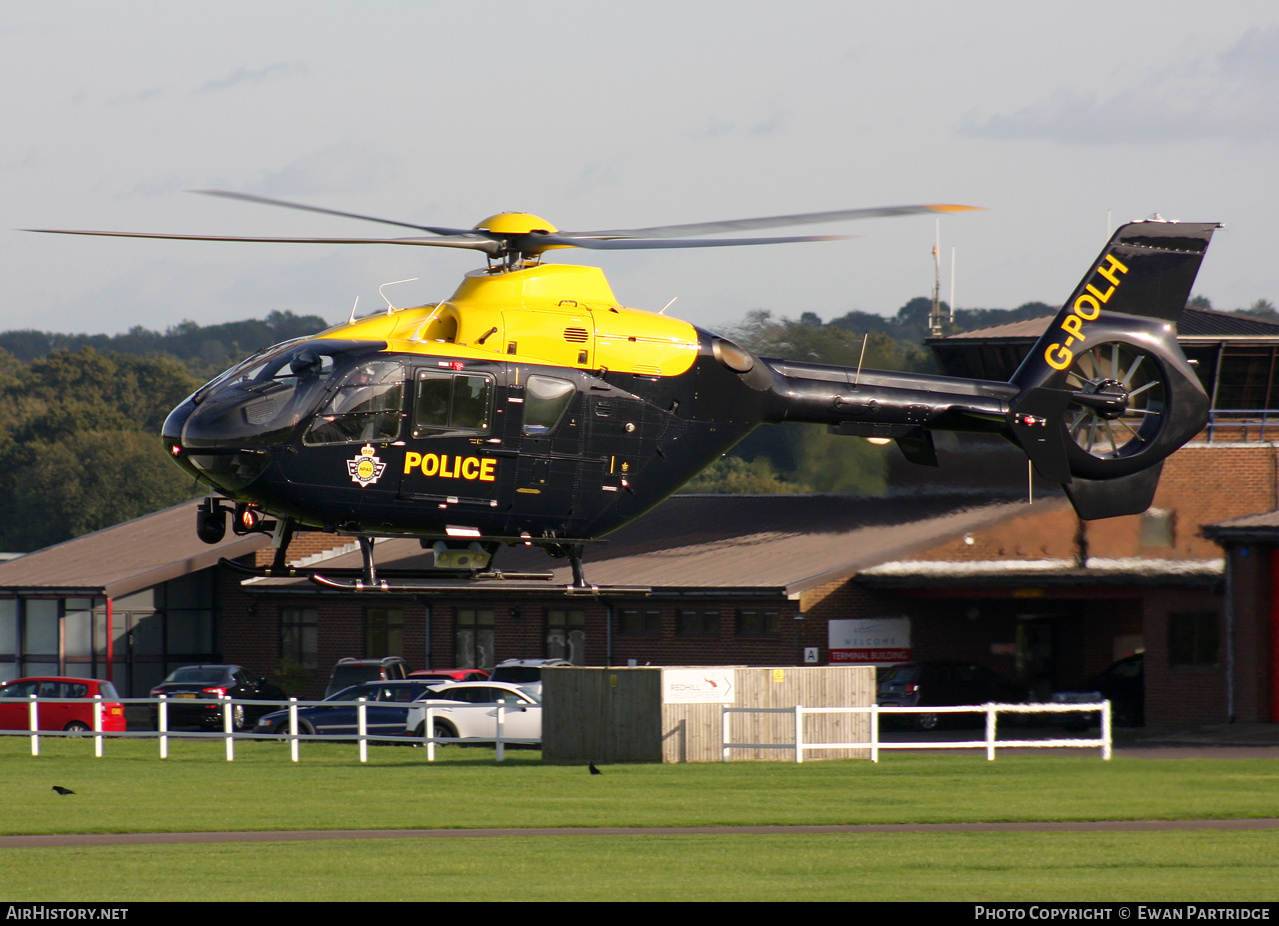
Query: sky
[1060, 120]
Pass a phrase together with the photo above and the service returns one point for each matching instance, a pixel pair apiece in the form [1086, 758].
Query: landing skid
[416, 581]
[506, 584]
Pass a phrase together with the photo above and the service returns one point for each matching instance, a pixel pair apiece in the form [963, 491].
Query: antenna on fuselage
[668, 305]
[351, 320]
[390, 308]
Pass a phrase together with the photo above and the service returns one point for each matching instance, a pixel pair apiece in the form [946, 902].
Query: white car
[468, 711]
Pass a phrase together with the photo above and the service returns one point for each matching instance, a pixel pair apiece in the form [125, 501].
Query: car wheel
[76, 726]
[927, 721]
[238, 717]
[444, 730]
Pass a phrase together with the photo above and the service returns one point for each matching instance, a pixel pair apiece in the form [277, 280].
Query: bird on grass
[594, 770]
[62, 790]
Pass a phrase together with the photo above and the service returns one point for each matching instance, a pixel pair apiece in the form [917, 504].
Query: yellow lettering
[1112, 265]
[452, 467]
[1085, 299]
[1104, 297]
[1058, 357]
[1073, 326]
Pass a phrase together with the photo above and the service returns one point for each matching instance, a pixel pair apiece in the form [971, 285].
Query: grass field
[132, 791]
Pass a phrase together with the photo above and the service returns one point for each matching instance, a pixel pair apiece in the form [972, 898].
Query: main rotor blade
[540, 242]
[262, 200]
[776, 221]
[470, 242]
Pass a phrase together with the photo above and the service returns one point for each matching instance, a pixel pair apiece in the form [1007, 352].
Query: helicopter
[531, 407]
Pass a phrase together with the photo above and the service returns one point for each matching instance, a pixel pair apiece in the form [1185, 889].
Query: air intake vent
[576, 335]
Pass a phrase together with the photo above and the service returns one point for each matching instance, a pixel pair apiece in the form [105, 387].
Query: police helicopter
[531, 407]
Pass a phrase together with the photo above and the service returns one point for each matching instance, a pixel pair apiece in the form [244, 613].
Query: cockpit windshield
[263, 399]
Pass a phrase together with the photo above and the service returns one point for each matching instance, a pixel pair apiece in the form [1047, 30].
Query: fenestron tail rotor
[518, 237]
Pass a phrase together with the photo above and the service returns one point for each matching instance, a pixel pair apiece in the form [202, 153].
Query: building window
[383, 632]
[641, 620]
[1159, 528]
[1192, 639]
[758, 623]
[473, 638]
[566, 635]
[299, 636]
[698, 623]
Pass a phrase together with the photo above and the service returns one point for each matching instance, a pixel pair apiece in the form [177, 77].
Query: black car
[918, 684]
[350, 671]
[194, 696]
[1122, 684]
[386, 710]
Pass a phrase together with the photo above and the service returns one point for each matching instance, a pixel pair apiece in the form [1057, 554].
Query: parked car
[527, 673]
[71, 717]
[468, 710]
[919, 684]
[1122, 684]
[194, 694]
[451, 675]
[386, 712]
[350, 671]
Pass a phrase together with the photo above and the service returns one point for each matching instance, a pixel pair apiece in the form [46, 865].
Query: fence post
[34, 723]
[1105, 732]
[501, 721]
[97, 726]
[799, 734]
[162, 724]
[990, 731]
[874, 733]
[362, 727]
[293, 729]
[725, 732]
[227, 731]
[428, 732]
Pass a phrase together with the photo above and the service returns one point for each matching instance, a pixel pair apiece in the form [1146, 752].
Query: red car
[452, 675]
[70, 716]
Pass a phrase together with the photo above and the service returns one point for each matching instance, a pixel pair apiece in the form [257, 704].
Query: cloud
[1229, 95]
[342, 168]
[243, 76]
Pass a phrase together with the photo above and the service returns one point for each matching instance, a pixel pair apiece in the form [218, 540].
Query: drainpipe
[608, 633]
[1228, 596]
[110, 643]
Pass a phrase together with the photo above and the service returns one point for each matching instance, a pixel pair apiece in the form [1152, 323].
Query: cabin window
[365, 407]
[452, 401]
[546, 399]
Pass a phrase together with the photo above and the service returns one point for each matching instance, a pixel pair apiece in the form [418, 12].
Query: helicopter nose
[220, 464]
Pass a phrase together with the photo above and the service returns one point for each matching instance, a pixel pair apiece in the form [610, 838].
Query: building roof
[1017, 572]
[124, 558]
[781, 544]
[1247, 529]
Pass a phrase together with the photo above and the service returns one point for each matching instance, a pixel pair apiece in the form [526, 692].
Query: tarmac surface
[1220, 741]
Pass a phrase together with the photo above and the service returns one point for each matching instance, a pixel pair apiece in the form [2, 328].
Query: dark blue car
[386, 709]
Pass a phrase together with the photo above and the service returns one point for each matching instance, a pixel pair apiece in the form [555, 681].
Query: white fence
[989, 742]
[163, 733]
